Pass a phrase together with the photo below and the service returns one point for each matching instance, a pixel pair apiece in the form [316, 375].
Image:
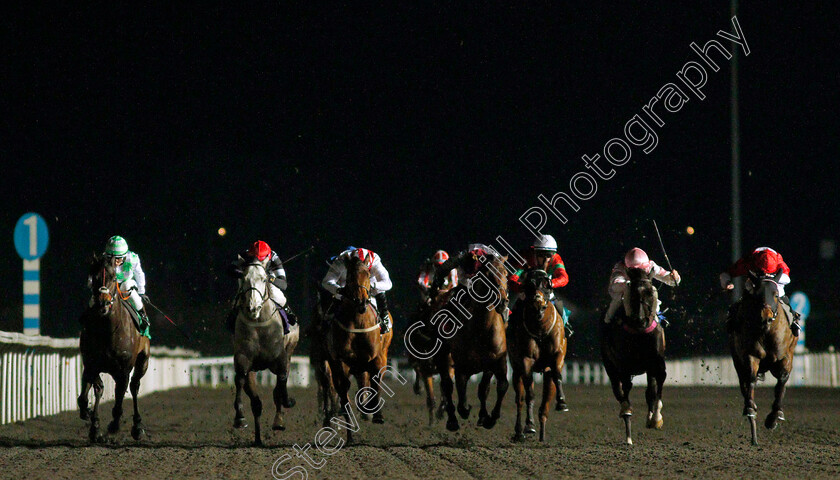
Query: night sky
[404, 130]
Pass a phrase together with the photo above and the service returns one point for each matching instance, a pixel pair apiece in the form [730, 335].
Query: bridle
[243, 291]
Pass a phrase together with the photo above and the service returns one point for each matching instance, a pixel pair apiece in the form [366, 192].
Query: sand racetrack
[190, 435]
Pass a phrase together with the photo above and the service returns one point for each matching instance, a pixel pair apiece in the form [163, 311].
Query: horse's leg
[747, 376]
[241, 366]
[483, 392]
[446, 387]
[341, 380]
[120, 387]
[528, 380]
[93, 434]
[377, 365]
[654, 418]
[140, 367]
[417, 376]
[548, 393]
[461, 380]
[363, 380]
[781, 370]
[558, 386]
[626, 408]
[82, 401]
[281, 392]
[502, 385]
[256, 404]
[519, 391]
[429, 384]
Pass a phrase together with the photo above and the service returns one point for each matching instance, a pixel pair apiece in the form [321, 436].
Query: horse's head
[102, 280]
[357, 288]
[537, 290]
[765, 292]
[253, 291]
[641, 301]
[494, 276]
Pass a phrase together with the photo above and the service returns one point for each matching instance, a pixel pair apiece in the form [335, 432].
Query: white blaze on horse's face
[254, 284]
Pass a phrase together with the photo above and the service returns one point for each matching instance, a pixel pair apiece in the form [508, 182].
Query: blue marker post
[31, 240]
[799, 302]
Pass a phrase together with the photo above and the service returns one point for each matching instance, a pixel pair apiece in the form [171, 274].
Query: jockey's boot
[144, 320]
[384, 315]
[662, 320]
[793, 316]
[730, 317]
[569, 330]
[293, 319]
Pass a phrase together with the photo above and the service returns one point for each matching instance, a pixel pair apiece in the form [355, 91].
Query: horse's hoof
[114, 427]
[290, 402]
[258, 443]
[489, 423]
[365, 417]
[529, 429]
[84, 414]
[626, 410]
[749, 412]
[278, 427]
[452, 425]
[771, 421]
[137, 431]
[239, 422]
[480, 421]
[561, 407]
[378, 419]
[518, 437]
[417, 389]
[464, 411]
[628, 441]
[657, 424]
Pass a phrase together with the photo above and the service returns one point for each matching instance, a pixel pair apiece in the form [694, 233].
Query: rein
[368, 306]
[553, 323]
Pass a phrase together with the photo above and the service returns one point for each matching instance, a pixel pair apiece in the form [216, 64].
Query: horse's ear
[505, 259]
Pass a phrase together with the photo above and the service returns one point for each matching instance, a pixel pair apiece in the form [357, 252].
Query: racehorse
[479, 345]
[761, 341]
[633, 344]
[536, 343]
[319, 359]
[110, 343]
[259, 344]
[426, 368]
[355, 345]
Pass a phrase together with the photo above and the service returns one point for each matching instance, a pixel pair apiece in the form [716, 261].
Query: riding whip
[662, 245]
[170, 320]
[306, 250]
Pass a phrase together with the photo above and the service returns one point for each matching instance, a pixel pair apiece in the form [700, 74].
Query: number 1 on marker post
[32, 223]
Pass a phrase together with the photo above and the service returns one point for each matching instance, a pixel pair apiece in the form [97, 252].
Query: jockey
[467, 263]
[130, 277]
[542, 254]
[761, 262]
[427, 275]
[620, 281]
[260, 251]
[380, 281]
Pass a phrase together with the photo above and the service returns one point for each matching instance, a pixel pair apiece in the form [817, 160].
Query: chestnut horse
[478, 345]
[110, 343]
[633, 344]
[319, 359]
[355, 344]
[259, 344]
[536, 343]
[761, 341]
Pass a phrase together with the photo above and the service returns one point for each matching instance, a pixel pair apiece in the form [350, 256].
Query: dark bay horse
[761, 341]
[356, 346]
[425, 369]
[110, 343]
[319, 358]
[259, 344]
[633, 344]
[479, 345]
[536, 343]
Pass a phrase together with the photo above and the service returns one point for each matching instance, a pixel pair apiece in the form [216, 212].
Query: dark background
[405, 129]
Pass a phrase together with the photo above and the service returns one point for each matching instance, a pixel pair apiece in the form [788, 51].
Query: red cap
[766, 262]
[259, 250]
